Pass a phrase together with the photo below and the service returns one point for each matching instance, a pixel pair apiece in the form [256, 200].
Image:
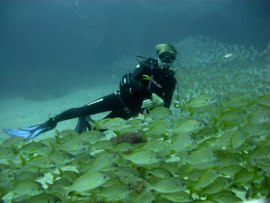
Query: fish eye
[234, 187]
[41, 175]
[203, 197]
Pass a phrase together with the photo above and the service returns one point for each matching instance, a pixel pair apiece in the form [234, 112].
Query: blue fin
[31, 131]
[17, 132]
[26, 132]
[83, 124]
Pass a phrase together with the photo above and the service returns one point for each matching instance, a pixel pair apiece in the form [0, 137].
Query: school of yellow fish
[214, 148]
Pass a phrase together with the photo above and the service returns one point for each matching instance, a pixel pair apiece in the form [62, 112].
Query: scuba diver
[151, 84]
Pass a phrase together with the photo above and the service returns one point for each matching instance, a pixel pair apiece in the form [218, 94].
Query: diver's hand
[147, 104]
[155, 101]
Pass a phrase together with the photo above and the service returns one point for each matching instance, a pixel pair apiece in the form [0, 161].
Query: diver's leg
[108, 103]
[111, 102]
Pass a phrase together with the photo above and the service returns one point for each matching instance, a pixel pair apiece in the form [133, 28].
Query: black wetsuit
[146, 79]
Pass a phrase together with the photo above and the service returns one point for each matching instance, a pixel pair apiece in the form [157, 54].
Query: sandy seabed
[21, 113]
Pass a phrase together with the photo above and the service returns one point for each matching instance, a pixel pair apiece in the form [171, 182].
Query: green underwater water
[215, 147]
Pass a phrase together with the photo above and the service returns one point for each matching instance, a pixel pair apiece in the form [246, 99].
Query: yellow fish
[200, 102]
[169, 185]
[88, 182]
[264, 100]
[116, 192]
[187, 126]
[143, 157]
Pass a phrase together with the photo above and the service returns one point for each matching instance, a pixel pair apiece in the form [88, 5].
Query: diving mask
[167, 57]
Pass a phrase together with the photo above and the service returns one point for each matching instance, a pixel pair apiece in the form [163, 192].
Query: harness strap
[151, 80]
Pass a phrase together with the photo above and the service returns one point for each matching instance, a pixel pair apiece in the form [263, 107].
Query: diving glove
[147, 104]
[157, 101]
[32, 131]
[154, 102]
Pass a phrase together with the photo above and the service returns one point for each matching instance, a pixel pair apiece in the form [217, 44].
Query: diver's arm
[168, 92]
